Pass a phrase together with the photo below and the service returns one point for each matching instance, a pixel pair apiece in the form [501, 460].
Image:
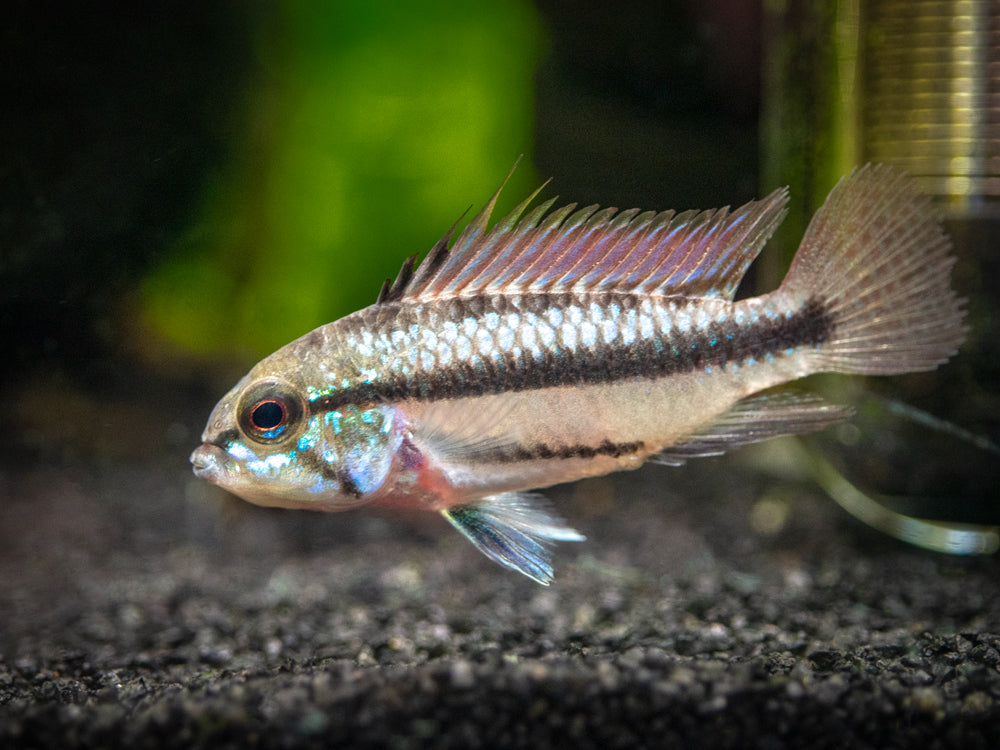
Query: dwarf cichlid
[571, 343]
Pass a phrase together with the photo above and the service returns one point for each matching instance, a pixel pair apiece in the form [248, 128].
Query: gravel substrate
[142, 608]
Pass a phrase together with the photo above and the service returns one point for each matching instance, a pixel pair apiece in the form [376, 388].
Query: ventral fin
[515, 530]
[751, 420]
[695, 253]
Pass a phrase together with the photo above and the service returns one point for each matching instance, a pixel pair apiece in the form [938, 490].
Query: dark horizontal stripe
[540, 451]
[717, 345]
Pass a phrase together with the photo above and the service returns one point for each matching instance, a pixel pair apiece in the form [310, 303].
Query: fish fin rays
[455, 434]
[756, 418]
[410, 276]
[695, 253]
[515, 530]
[877, 259]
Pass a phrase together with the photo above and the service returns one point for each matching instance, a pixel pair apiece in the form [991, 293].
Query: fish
[565, 343]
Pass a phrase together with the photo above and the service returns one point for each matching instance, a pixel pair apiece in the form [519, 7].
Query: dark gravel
[142, 608]
[713, 605]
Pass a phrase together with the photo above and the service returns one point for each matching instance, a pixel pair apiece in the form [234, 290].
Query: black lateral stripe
[717, 345]
[540, 451]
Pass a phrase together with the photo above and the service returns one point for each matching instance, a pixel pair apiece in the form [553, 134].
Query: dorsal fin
[695, 253]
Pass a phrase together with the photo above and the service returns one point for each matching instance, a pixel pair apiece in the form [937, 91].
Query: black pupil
[267, 415]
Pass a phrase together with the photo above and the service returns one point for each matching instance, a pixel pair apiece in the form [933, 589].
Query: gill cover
[366, 443]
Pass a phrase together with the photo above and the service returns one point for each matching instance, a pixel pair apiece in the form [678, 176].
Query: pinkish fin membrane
[694, 254]
[878, 260]
[514, 530]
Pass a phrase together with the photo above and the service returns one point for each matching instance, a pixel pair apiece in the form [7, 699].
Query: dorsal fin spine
[642, 247]
[520, 262]
[607, 269]
[560, 272]
[557, 247]
[692, 236]
[694, 253]
[649, 262]
[506, 254]
[597, 255]
[431, 263]
[500, 240]
[480, 221]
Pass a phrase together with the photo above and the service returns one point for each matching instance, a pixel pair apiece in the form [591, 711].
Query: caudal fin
[877, 260]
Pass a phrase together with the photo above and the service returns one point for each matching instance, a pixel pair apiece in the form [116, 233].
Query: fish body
[573, 343]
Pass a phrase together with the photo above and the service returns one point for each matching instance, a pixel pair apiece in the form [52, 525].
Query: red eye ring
[269, 410]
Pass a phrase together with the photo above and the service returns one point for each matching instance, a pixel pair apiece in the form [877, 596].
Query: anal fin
[513, 530]
[756, 418]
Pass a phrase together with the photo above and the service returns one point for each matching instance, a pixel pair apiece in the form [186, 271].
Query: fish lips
[208, 462]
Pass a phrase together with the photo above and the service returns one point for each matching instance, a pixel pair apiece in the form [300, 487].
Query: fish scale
[472, 347]
[560, 345]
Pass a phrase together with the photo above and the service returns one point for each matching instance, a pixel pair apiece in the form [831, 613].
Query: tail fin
[876, 258]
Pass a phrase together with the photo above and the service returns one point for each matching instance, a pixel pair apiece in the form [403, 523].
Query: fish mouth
[207, 462]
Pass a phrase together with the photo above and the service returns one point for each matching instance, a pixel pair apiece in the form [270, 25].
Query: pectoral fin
[513, 530]
[454, 433]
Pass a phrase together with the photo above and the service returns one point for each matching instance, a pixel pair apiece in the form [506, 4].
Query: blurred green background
[191, 185]
[368, 126]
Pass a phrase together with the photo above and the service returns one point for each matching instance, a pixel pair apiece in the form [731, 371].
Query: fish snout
[206, 461]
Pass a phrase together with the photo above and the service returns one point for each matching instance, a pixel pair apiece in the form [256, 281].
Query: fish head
[272, 441]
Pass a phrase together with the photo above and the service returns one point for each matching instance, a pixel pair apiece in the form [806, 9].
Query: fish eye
[269, 410]
[269, 414]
